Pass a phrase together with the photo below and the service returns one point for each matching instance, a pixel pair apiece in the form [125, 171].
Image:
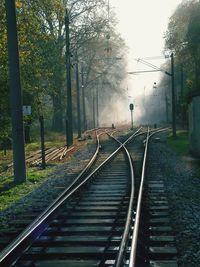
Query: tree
[4, 92]
[193, 41]
[104, 63]
[52, 13]
[182, 37]
[42, 52]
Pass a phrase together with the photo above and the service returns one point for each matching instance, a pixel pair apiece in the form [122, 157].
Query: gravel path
[183, 187]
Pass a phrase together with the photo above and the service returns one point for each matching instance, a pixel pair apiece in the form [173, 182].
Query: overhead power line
[141, 71]
[152, 66]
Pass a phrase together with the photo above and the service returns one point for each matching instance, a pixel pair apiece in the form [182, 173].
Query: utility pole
[97, 107]
[83, 98]
[41, 120]
[181, 96]
[182, 83]
[173, 97]
[78, 98]
[15, 95]
[93, 100]
[69, 122]
[167, 108]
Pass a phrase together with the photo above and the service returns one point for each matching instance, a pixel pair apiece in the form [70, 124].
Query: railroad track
[19, 221]
[95, 222]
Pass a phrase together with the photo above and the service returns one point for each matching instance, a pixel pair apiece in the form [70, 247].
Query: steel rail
[132, 260]
[158, 131]
[11, 253]
[138, 209]
[125, 236]
[123, 243]
[10, 249]
[126, 232]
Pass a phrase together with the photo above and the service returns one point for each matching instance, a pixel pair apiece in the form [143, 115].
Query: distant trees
[183, 38]
[41, 33]
[4, 92]
[103, 69]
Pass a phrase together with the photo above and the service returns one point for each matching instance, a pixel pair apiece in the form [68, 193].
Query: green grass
[5, 159]
[51, 140]
[180, 143]
[181, 146]
[10, 192]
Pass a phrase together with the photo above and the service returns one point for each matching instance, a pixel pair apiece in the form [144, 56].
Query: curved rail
[129, 213]
[134, 242]
[22, 242]
[138, 208]
[11, 250]
[126, 232]
[11, 253]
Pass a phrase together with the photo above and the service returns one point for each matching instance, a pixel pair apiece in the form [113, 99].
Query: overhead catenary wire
[151, 65]
[155, 68]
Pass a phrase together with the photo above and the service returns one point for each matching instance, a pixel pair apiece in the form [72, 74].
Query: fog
[150, 106]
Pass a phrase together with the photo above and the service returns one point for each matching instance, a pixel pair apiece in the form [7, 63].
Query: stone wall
[194, 124]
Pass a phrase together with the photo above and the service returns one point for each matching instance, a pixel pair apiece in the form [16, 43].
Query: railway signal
[131, 107]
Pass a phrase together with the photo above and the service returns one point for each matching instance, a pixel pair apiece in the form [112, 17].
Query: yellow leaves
[18, 4]
[24, 55]
[3, 40]
[189, 83]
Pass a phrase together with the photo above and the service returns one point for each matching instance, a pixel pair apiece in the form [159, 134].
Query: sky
[142, 24]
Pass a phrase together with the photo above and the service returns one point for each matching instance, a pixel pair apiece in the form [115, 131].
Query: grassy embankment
[181, 145]
[10, 192]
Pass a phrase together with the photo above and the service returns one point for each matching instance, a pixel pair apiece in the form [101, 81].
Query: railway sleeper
[61, 252]
[156, 240]
[164, 263]
[61, 263]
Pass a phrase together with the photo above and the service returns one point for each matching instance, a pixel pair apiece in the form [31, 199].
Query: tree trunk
[27, 134]
[57, 121]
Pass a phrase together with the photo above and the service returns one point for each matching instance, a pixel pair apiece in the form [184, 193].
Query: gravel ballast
[183, 187]
[60, 179]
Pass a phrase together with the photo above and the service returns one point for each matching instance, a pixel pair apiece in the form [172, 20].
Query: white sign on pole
[26, 110]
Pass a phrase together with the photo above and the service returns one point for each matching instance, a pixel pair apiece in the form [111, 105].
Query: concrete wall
[194, 125]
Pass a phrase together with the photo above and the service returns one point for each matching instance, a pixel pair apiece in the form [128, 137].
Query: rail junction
[110, 215]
